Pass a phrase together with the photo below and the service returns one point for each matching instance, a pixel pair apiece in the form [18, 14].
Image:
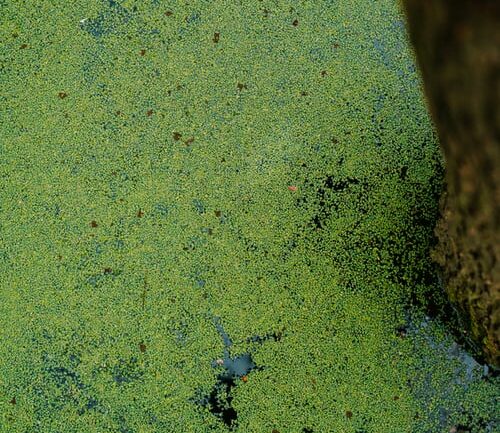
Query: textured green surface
[182, 148]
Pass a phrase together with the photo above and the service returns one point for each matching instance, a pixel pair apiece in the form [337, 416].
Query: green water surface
[187, 181]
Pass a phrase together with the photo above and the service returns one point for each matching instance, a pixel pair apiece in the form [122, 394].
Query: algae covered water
[216, 216]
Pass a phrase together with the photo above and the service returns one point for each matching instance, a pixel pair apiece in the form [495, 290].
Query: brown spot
[401, 332]
[140, 214]
[334, 140]
[169, 13]
[93, 224]
[396, 397]
[295, 23]
[348, 414]
[313, 381]
[463, 32]
[303, 93]
[149, 113]
[292, 188]
[244, 378]
[177, 136]
[23, 46]
[218, 213]
[62, 95]
[142, 347]
[216, 37]
[241, 86]
[142, 52]
[323, 73]
[189, 141]
[108, 270]
[15, 35]
[335, 45]
[59, 257]
[13, 401]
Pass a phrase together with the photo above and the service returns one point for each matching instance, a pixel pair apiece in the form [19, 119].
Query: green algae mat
[216, 216]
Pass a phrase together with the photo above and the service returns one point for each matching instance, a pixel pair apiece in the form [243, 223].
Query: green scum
[267, 162]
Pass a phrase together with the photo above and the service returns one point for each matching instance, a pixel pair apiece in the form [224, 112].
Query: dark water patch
[383, 52]
[161, 209]
[220, 329]
[339, 185]
[403, 172]
[192, 21]
[219, 400]
[194, 18]
[108, 21]
[122, 425]
[326, 203]
[199, 206]
[377, 120]
[127, 371]
[194, 242]
[275, 336]
[98, 280]
[181, 333]
[235, 370]
[64, 376]
[197, 277]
